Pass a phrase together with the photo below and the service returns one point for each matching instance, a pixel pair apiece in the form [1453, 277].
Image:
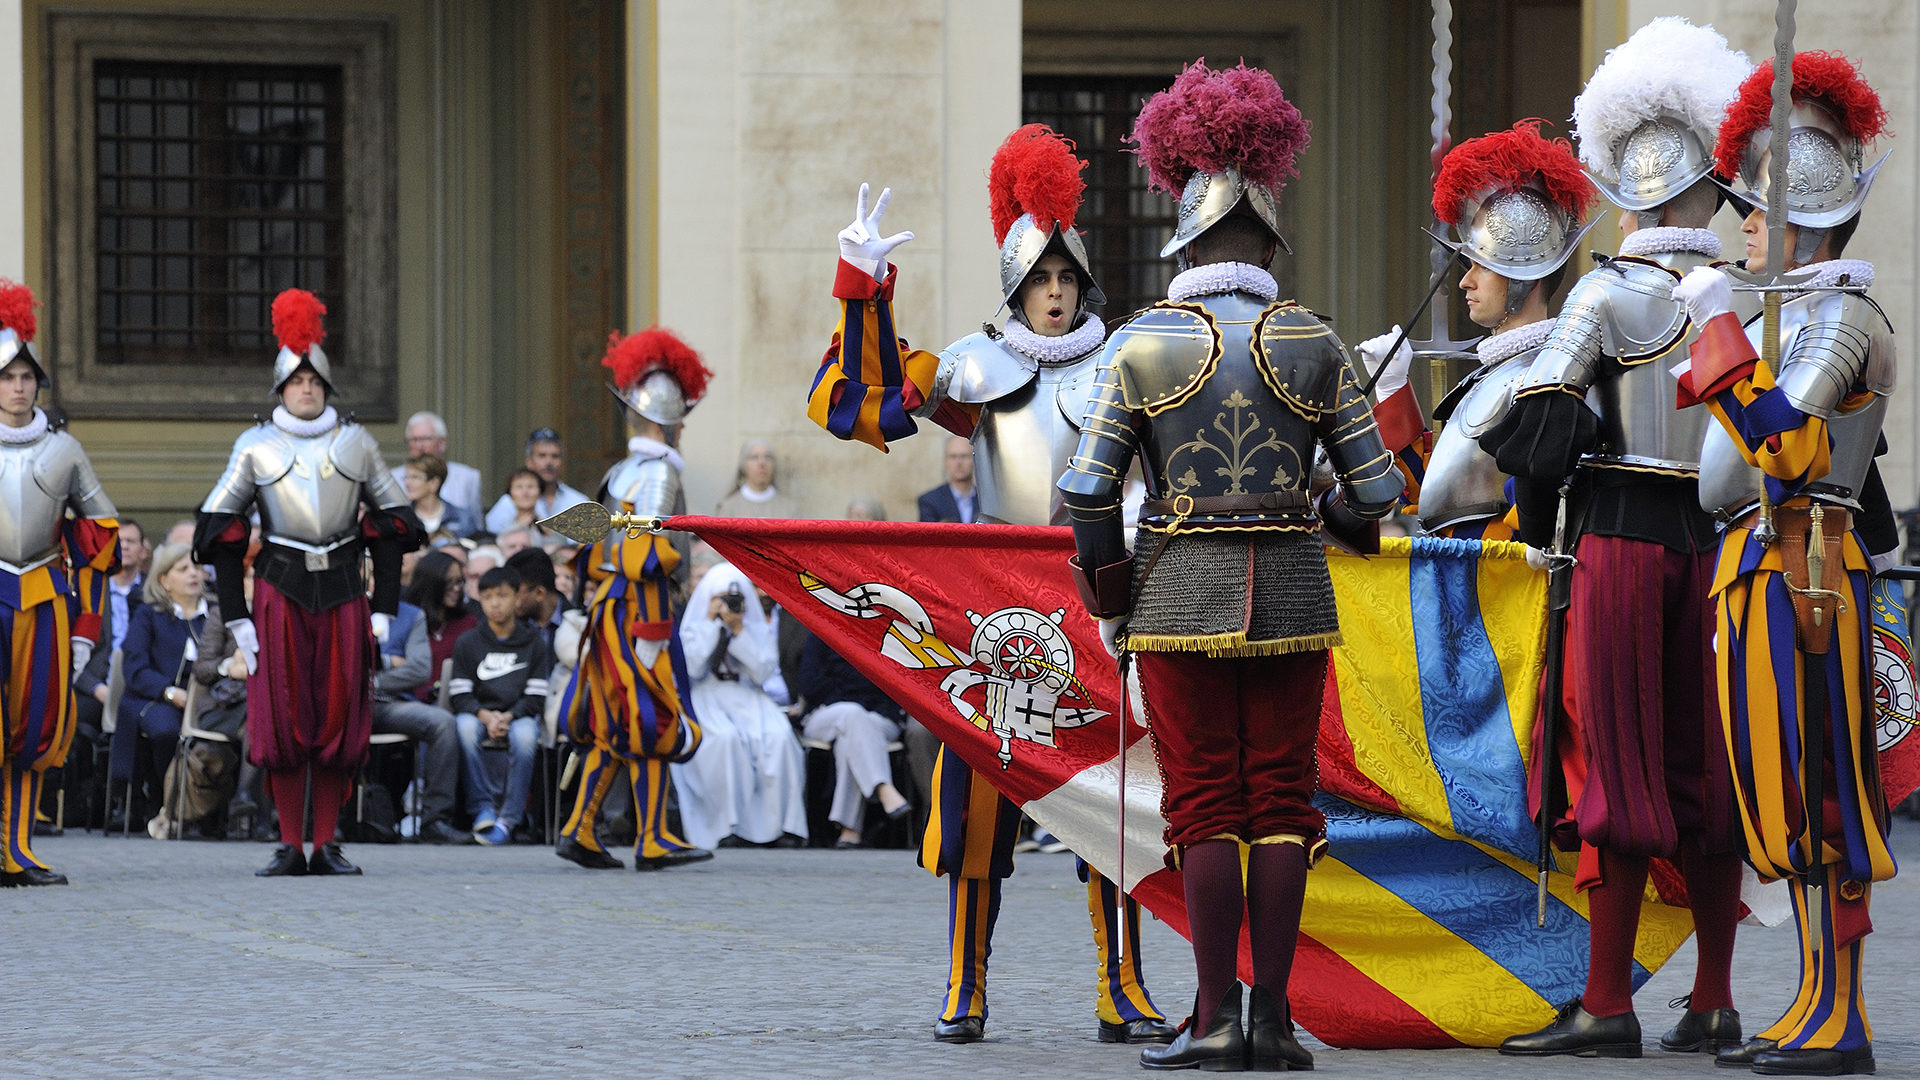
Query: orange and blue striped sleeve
[871, 382]
[1789, 447]
[93, 550]
[1408, 439]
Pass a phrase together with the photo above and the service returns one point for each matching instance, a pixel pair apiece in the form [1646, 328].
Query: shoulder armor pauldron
[1291, 350]
[1164, 355]
[1643, 320]
[269, 453]
[648, 484]
[1845, 343]
[984, 369]
[56, 465]
[354, 452]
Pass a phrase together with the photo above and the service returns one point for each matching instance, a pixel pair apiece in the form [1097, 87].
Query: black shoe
[900, 811]
[287, 861]
[576, 852]
[1742, 1055]
[1223, 1048]
[327, 861]
[1271, 1045]
[1779, 1062]
[30, 876]
[1580, 1033]
[1144, 1030]
[439, 832]
[683, 857]
[1703, 1032]
[967, 1029]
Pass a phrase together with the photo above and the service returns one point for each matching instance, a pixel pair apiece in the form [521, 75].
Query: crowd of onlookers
[473, 674]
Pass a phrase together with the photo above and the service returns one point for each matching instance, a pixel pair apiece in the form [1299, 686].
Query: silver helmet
[14, 347]
[658, 396]
[657, 375]
[288, 362]
[1518, 233]
[1027, 242]
[1658, 160]
[1825, 182]
[1211, 196]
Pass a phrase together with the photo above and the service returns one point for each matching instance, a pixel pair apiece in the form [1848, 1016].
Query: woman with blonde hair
[157, 657]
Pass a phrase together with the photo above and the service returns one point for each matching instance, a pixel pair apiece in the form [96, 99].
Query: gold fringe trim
[1231, 644]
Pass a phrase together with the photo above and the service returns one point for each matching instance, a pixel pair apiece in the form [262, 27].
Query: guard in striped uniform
[1018, 392]
[1786, 466]
[53, 582]
[626, 703]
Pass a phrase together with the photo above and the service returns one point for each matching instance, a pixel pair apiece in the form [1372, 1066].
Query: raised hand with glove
[1374, 352]
[862, 245]
[1705, 292]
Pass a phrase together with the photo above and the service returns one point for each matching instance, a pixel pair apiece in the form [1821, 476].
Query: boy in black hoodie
[499, 689]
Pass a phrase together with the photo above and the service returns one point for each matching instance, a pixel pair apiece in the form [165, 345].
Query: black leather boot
[1777, 1062]
[1580, 1033]
[1741, 1056]
[327, 861]
[1703, 1032]
[1222, 1047]
[1271, 1045]
[287, 861]
[1143, 1030]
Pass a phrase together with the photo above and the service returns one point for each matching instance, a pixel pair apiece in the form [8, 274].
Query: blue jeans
[523, 741]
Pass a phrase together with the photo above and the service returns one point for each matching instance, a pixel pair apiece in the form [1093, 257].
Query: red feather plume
[1209, 120]
[16, 308]
[1510, 159]
[1034, 172]
[1827, 77]
[296, 320]
[656, 348]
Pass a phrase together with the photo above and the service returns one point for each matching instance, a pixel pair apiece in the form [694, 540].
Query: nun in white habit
[749, 777]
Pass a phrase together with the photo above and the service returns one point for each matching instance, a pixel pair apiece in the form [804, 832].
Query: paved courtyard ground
[172, 960]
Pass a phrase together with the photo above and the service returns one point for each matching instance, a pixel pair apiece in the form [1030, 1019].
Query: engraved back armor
[1462, 483]
[1029, 425]
[309, 489]
[1833, 346]
[1617, 335]
[1235, 393]
[38, 482]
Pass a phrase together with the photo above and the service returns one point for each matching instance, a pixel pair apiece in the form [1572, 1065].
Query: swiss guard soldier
[1513, 201]
[325, 500]
[1787, 467]
[1225, 597]
[1018, 392]
[1645, 776]
[53, 581]
[625, 703]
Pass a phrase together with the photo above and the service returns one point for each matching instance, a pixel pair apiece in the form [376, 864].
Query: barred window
[1126, 224]
[218, 186]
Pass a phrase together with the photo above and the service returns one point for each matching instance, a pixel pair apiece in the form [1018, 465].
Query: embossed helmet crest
[1835, 113]
[1514, 200]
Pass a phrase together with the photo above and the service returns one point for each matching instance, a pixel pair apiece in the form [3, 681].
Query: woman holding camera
[749, 778]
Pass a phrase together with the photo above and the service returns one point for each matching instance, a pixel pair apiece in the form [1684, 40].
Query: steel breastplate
[1640, 428]
[302, 494]
[30, 515]
[1024, 441]
[1462, 482]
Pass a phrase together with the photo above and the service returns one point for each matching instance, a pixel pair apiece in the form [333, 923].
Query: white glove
[1374, 351]
[1110, 631]
[1705, 292]
[381, 623]
[1537, 559]
[247, 642]
[82, 652]
[861, 243]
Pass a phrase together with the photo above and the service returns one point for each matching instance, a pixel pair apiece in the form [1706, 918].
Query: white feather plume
[1668, 66]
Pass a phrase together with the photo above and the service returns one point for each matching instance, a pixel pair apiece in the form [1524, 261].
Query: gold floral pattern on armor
[1236, 456]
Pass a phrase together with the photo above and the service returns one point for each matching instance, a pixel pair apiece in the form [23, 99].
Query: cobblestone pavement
[172, 960]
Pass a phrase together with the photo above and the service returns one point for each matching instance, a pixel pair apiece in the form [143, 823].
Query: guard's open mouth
[1053, 313]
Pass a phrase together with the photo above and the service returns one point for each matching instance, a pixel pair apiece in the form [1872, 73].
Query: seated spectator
[545, 458]
[439, 590]
[221, 667]
[749, 779]
[425, 477]
[565, 581]
[523, 496]
[866, 508]
[499, 688]
[540, 601]
[846, 709]
[954, 500]
[480, 560]
[427, 434]
[753, 493]
[406, 665]
[515, 539]
[157, 653]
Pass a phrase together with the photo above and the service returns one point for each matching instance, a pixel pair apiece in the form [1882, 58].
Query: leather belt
[318, 556]
[1264, 502]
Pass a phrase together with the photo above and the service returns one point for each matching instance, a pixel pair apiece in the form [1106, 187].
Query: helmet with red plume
[1034, 188]
[17, 327]
[297, 324]
[656, 374]
[1514, 201]
[1835, 113]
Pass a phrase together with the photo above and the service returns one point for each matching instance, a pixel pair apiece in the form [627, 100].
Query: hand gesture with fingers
[861, 243]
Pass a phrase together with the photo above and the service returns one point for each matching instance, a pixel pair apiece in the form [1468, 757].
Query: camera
[735, 600]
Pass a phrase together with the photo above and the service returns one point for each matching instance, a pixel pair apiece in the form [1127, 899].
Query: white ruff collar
[1828, 274]
[1667, 238]
[753, 496]
[20, 436]
[1071, 345]
[1512, 343]
[1222, 278]
[305, 429]
[654, 448]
